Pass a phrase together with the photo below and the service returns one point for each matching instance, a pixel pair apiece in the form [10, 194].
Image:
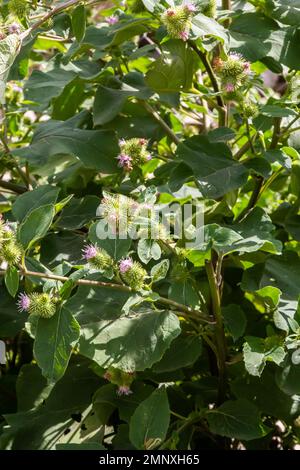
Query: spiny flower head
[133, 153]
[233, 71]
[209, 8]
[18, 8]
[177, 20]
[23, 302]
[121, 378]
[97, 257]
[249, 110]
[10, 251]
[42, 305]
[134, 276]
[119, 211]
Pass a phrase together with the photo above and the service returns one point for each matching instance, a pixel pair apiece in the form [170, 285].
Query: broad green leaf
[211, 165]
[35, 225]
[150, 421]
[235, 320]
[277, 111]
[129, 343]
[116, 247]
[159, 270]
[238, 419]
[285, 11]
[288, 377]
[257, 351]
[12, 280]
[30, 397]
[257, 390]
[43, 427]
[27, 202]
[67, 103]
[109, 100]
[174, 70]
[54, 341]
[11, 320]
[78, 213]
[95, 149]
[183, 352]
[148, 249]
[79, 22]
[202, 25]
[8, 50]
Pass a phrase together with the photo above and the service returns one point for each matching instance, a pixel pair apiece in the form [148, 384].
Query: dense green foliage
[145, 342]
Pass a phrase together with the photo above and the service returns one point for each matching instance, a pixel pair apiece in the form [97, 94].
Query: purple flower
[112, 19]
[229, 87]
[14, 28]
[123, 390]
[125, 161]
[190, 7]
[23, 302]
[89, 252]
[125, 265]
[235, 56]
[16, 88]
[149, 157]
[184, 35]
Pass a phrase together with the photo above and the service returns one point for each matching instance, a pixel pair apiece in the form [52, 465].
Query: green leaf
[257, 351]
[159, 270]
[79, 22]
[202, 25]
[235, 320]
[8, 50]
[183, 352]
[237, 419]
[29, 397]
[148, 249]
[110, 101]
[128, 343]
[285, 11]
[150, 421]
[27, 202]
[54, 341]
[213, 168]
[67, 103]
[12, 280]
[11, 320]
[174, 70]
[277, 111]
[95, 149]
[115, 247]
[78, 213]
[288, 378]
[35, 225]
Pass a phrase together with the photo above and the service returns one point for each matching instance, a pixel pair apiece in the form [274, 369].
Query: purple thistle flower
[23, 302]
[89, 252]
[149, 157]
[14, 28]
[184, 35]
[190, 7]
[124, 390]
[125, 161]
[112, 19]
[125, 265]
[229, 87]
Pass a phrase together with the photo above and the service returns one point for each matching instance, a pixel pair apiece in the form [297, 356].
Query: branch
[213, 79]
[49, 15]
[111, 285]
[13, 187]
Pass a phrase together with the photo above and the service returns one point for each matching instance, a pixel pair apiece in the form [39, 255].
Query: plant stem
[276, 133]
[196, 314]
[214, 82]
[219, 329]
[161, 122]
[13, 187]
